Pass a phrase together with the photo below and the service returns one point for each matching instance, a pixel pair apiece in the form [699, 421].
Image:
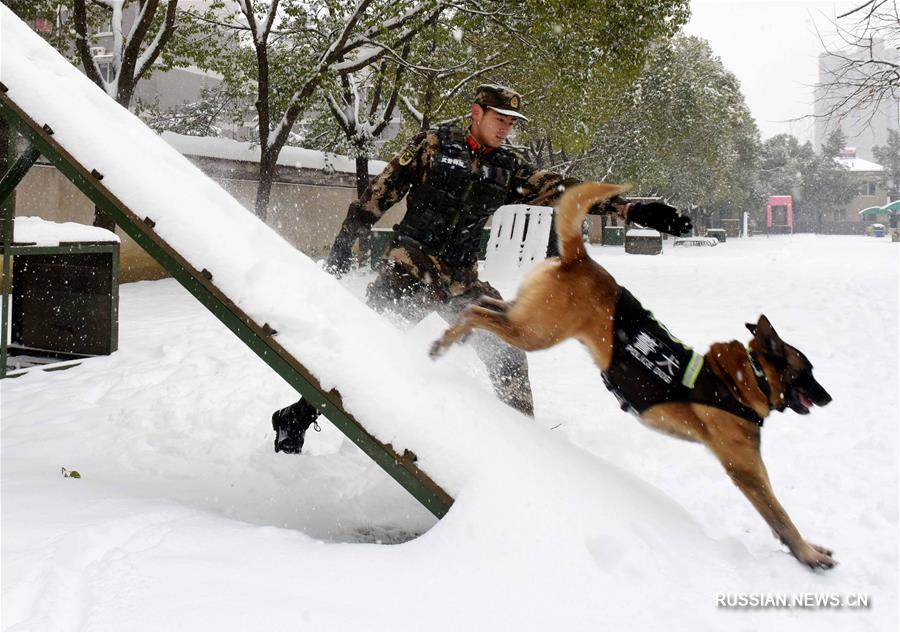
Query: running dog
[719, 399]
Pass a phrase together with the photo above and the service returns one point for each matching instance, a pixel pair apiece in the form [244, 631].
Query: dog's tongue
[805, 400]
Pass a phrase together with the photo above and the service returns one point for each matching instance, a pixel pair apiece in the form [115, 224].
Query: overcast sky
[772, 47]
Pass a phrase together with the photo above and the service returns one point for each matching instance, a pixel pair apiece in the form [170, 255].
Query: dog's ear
[767, 336]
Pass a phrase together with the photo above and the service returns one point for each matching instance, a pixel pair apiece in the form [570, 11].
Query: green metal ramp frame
[258, 337]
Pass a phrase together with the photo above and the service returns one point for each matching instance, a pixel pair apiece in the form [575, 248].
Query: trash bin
[878, 230]
[64, 301]
[613, 236]
[64, 304]
[485, 239]
[719, 234]
[64, 293]
[643, 242]
[381, 240]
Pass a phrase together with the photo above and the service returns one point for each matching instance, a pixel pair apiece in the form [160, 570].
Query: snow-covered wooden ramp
[234, 264]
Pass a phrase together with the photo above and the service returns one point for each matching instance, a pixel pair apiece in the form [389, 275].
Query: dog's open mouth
[801, 401]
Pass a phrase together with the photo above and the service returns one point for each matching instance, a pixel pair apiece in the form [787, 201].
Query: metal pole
[7, 211]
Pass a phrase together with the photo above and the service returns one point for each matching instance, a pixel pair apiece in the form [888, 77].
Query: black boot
[291, 424]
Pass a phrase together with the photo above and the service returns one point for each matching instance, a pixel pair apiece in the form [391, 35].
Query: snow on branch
[361, 61]
[334, 56]
[259, 30]
[339, 113]
[411, 109]
[127, 64]
[379, 48]
[462, 82]
[151, 53]
[394, 24]
[338, 46]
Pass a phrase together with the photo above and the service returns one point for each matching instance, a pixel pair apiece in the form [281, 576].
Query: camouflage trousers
[413, 284]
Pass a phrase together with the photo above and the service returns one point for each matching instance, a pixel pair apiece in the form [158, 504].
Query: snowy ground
[185, 519]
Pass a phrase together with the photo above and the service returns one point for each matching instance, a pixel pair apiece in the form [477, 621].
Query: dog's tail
[570, 214]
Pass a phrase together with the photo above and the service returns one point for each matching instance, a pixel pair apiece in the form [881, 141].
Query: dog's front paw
[437, 349]
[816, 556]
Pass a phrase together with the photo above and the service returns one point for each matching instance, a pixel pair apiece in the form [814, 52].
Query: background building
[869, 191]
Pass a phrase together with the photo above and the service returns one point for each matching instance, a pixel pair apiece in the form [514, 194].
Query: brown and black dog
[719, 399]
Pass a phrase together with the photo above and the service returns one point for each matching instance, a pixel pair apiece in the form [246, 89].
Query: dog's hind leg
[496, 305]
[454, 333]
[527, 337]
[478, 317]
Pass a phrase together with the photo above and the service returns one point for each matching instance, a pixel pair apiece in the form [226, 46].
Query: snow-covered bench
[695, 241]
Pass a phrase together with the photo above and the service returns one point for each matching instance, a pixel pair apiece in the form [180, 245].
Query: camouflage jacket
[412, 166]
[528, 184]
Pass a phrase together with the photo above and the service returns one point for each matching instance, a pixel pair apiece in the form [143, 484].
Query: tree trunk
[267, 165]
[362, 175]
[6, 137]
[7, 151]
[123, 98]
[362, 183]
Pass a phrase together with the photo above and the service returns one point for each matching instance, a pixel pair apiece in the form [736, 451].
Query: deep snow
[185, 519]
[581, 519]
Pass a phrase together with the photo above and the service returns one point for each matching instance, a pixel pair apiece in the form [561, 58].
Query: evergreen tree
[888, 156]
[686, 134]
[827, 184]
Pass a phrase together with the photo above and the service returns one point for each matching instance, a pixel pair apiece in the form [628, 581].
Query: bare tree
[863, 70]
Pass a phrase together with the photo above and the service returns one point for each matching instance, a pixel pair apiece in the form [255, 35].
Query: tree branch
[163, 35]
[82, 44]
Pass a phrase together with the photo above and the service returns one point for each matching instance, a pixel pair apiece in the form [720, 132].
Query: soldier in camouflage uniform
[454, 179]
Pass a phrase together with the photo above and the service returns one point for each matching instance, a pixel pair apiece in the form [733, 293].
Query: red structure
[780, 214]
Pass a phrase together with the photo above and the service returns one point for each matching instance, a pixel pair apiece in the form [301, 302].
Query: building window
[106, 71]
[104, 64]
[105, 27]
[867, 188]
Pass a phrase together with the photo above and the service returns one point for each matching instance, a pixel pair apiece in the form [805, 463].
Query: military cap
[500, 98]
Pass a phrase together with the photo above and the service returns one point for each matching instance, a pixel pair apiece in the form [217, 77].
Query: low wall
[307, 206]
[832, 228]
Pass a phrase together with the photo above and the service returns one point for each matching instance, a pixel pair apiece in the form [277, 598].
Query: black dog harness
[446, 213]
[650, 367]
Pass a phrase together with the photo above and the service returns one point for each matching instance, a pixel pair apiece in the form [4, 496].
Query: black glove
[659, 216]
[355, 226]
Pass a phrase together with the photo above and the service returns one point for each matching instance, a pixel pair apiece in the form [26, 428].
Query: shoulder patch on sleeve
[407, 155]
[409, 152]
